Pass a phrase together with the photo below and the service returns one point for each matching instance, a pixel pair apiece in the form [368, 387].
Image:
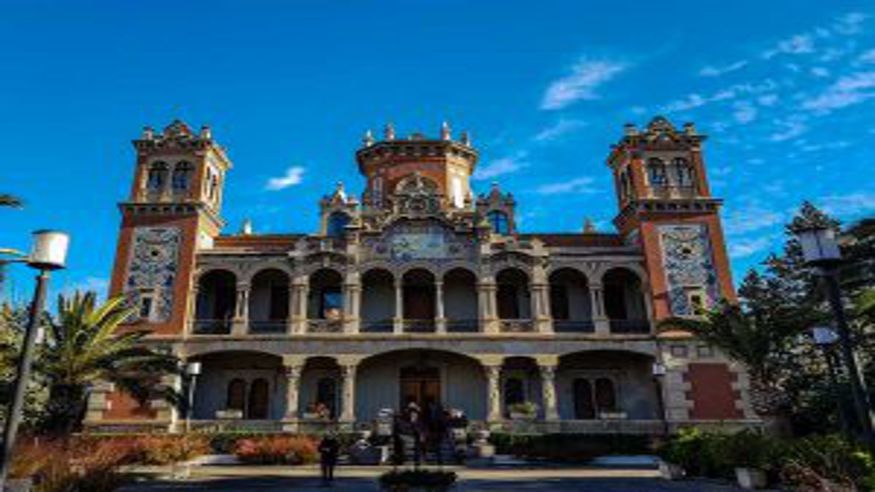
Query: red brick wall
[711, 392]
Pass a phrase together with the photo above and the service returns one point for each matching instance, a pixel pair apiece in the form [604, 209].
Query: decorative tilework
[419, 240]
[688, 264]
[153, 267]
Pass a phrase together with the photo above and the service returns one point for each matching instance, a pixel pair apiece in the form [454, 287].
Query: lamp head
[819, 245]
[49, 250]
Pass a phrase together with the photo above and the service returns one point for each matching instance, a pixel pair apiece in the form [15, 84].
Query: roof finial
[368, 139]
[246, 227]
[465, 138]
[445, 131]
[148, 133]
[206, 133]
[588, 226]
[389, 131]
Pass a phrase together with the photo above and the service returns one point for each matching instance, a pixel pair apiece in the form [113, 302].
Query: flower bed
[277, 450]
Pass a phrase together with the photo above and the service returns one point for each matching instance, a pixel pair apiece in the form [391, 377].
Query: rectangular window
[146, 304]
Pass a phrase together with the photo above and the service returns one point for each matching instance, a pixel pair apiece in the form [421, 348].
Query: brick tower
[666, 207]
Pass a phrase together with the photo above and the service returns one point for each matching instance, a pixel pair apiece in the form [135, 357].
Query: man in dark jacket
[329, 448]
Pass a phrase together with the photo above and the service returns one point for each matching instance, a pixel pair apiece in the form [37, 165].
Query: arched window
[514, 392]
[656, 173]
[684, 172]
[499, 222]
[236, 395]
[181, 176]
[157, 177]
[605, 395]
[326, 393]
[259, 399]
[583, 407]
[337, 223]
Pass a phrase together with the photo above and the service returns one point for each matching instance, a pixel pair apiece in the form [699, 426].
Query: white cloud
[840, 144]
[848, 205]
[586, 76]
[767, 100]
[850, 23]
[696, 100]
[744, 112]
[576, 185]
[820, 72]
[502, 166]
[562, 127]
[751, 217]
[714, 71]
[868, 56]
[846, 91]
[791, 128]
[741, 248]
[294, 175]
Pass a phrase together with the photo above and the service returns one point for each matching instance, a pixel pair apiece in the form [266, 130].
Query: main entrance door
[421, 385]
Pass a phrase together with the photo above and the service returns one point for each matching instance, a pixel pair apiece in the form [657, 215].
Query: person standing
[329, 448]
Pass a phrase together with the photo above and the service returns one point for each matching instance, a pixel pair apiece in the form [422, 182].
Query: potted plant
[750, 454]
[417, 480]
[524, 410]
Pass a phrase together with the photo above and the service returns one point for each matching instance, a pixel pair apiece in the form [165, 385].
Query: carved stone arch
[270, 265]
[201, 270]
[463, 265]
[419, 265]
[512, 259]
[319, 260]
[635, 268]
[554, 267]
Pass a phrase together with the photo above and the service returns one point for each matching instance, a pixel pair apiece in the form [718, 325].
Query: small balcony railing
[268, 327]
[377, 326]
[516, 326]
[418, 325]
[630, 326]
[462, 325]
[211, 327]
[573, 326]
[325, 326]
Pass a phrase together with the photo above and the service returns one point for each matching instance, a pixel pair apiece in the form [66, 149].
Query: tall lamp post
[49, 252]
[820, 249]
[192, 370]
[825, 339]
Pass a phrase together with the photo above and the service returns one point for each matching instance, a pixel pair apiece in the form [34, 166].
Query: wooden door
[259, 399]
[421, 386]
[583, 402]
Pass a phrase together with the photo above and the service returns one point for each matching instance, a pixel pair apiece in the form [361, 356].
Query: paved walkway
[356, 479]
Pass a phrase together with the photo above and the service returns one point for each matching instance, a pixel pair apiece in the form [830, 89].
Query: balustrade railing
[211, 327]
[268, 327]
[325, 326]
[463, 325]
[573, 326]
[516, 325]
[630, 326]
[377, 326]
[419, 326]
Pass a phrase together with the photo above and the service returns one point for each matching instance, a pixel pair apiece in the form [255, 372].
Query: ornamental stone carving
[153, 268]
[688, 264]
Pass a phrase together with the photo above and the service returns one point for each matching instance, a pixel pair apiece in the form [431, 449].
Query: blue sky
[784, 89]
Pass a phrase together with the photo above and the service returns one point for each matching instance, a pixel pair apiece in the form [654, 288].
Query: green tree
[12, 322]
[86, 345]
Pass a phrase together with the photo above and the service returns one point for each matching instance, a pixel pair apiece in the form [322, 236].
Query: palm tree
[7, 200]
[84, 346]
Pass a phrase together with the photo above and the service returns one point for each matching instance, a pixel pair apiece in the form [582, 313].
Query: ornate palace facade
[420, 291]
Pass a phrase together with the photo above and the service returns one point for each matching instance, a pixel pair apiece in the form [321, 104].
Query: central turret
[446, 162]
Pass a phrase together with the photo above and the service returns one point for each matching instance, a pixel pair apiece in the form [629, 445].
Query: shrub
[70, 466]
[526, 408]
[568, 447]
[403, 480]
[165, 449]
[813, 463]
[277, 450]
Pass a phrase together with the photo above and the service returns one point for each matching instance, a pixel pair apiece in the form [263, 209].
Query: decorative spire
[246, 227]
[206, 133]
[389, 132]
[339, 192]
[588, 226]
[689, 128]
[368, 139]
[465, 138]
[148, 133]
[630, 129]
[445, 131]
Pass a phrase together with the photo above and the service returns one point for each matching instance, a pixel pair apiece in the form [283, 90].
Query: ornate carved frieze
[688, 264]
[426, 240]
[152, 268]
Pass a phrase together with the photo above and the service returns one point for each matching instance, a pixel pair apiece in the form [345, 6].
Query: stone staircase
[445, 453]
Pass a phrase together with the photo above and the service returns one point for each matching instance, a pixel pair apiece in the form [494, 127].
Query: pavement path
[363, 479]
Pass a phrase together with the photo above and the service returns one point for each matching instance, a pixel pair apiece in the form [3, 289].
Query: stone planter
[751, 478]
[671, 471]
[19, 485]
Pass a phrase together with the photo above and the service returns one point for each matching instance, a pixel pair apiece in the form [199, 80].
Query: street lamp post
[658, 370]
[192, 370]
[49, 253]
[820, 249]
[825, 339]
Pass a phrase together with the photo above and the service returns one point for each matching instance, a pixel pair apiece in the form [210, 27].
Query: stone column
[191, 310]
[486, 290]
[440, 320]
[347, 373]
[293, 381]
[351, 303]
[648, 304]
[548, 392]
[398, 321]
[241, 318]
[493, 392]
[540, 309]
[300, 293]
[597, 307]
